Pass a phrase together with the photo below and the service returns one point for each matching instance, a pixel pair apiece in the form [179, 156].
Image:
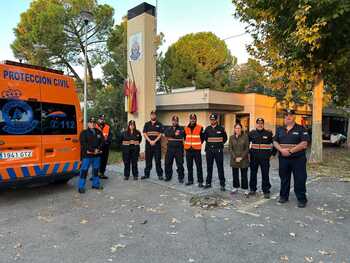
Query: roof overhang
[200, 106]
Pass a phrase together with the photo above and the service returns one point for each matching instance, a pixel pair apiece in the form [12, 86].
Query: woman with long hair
[239, 149]
[131, 139]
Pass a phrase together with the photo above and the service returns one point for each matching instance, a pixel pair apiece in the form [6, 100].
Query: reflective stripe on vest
[261, 146]
[193, 140]
[287, 146]
[131, 142]
[153, 133]
[215, 139]
[174, 139]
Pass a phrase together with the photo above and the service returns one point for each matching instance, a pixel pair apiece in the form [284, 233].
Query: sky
[175, 19]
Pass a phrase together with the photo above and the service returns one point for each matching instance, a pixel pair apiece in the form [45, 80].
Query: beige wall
[255, 105]
[165, 117]
[144, 69]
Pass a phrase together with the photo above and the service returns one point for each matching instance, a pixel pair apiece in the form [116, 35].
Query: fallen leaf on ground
[284, 258]
[83, 221]
[172, 233]
[174, 221]
[325, 252]
[292, 235]
[309, 259]
[116, 247]
[45, 219]
[191, 260]
[18, 245]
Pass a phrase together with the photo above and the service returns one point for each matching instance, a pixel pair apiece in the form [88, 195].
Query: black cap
[260, 119]
[193, 116]
[101, 116]
[289, 111]
[213, 116]
[175, 118]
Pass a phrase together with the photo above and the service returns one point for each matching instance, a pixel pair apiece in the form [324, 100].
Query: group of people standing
[253, 149]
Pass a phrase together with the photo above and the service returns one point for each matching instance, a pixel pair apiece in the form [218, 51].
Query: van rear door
[20, 125]
[60, 126]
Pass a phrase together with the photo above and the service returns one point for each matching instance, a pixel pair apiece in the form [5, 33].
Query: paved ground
[138, 221]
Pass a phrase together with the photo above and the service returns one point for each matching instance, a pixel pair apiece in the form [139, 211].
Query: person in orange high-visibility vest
[194, 138]
[106, 131]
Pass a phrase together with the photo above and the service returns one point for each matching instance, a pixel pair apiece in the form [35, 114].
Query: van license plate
[17, 155]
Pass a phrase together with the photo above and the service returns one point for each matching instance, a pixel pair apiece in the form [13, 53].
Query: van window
[58, 119]
[18, 117]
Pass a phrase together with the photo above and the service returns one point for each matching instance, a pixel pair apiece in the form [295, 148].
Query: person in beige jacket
[239, 150]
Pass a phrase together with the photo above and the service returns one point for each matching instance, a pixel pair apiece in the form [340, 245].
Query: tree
[248, 76]
[200, 59]
[51, 33]
[115, 70]
[108, 101]
[303, 41]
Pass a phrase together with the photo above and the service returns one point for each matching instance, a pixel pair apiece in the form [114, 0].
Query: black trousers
[130, 158]
[218, 157]
[195, 155]
[104, 158]
[244, 178]
[156, 153]
[178, 155]
[297, 166]
[264, 164]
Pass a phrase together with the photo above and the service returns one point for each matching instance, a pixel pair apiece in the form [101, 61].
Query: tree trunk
[348, 135]
[317, 106]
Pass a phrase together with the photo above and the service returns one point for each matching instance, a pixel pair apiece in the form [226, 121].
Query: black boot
[144, 177]
[282, 200]
[189, 183]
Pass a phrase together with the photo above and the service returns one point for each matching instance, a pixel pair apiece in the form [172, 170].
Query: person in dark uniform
[291, 141]
[215, 137]
[194, 138]
[153, 132]
[175, 150]
[261, 150]
[91, 141]
[107, 135]
[131, 139]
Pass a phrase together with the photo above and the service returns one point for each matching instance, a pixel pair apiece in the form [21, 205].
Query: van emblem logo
[11, 93]
[18, 117]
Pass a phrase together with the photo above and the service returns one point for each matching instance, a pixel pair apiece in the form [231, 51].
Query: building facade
[237, 107]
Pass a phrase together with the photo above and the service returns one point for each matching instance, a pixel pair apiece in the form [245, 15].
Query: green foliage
[246, 77]
[51, 33]
[299, 39]
[200, 59]
[115, 70]
[108, 101]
